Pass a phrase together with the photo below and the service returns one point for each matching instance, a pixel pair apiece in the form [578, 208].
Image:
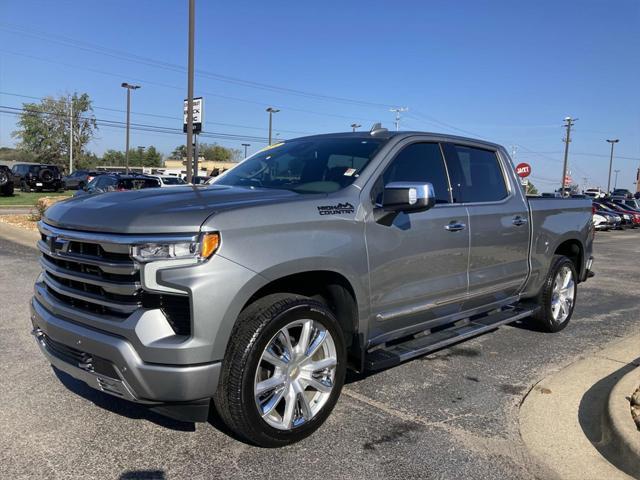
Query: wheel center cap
[293, 373]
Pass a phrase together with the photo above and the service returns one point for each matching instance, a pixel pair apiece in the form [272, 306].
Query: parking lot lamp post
[612, 142]
[271, 111]
[129, 87]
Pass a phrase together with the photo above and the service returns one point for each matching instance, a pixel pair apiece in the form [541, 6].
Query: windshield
[322, 165]
[172, 181]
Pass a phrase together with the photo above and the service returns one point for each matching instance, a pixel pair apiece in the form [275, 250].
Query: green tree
[531, 189]
[43, 128]
[138, 157]
[210, 151]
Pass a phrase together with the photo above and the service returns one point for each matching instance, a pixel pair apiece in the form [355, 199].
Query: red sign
[523, 170]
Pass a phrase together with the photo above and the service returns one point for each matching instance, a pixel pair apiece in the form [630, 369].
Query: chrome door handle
[455, 227]
[519, 221]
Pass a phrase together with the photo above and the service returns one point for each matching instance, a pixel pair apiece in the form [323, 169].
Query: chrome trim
[114, 238]
[108, 266]
[119, 288]
[401, 312]
[126, 308]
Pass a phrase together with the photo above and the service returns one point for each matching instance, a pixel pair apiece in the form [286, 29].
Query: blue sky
[501, 70]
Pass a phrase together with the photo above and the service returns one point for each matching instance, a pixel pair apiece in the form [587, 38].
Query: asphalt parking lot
[452, 414]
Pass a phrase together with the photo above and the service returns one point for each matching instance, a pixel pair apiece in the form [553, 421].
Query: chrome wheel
[563, 295]
[295, 374]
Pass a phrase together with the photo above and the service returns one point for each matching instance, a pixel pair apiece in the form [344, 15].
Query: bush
[41, 205]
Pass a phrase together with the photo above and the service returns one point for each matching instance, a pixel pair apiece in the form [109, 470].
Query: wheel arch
[574, 250]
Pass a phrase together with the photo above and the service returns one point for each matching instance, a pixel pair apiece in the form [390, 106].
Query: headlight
[200, 250]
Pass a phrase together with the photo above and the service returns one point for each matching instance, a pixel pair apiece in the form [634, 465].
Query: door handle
[455, 227]
[518, 221]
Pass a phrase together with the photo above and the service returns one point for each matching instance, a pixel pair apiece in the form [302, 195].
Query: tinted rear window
[476, 175]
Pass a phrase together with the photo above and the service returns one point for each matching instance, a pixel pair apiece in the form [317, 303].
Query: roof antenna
[377, 128]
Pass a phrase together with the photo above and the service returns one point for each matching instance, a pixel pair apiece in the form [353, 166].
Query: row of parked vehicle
[616, 213]
[30, 177]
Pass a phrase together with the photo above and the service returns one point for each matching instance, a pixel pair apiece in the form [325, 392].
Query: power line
[134, 126]
[175, 87]
[155, 115]
[93, 48]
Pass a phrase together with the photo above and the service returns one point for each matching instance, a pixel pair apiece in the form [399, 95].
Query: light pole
[612, 142]
[615, 182]
[245, 145]
[190, 70]
[271, 111]
[354, 126]
[129, 87]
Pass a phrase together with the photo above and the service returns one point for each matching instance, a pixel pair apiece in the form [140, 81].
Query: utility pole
[271, 111]
[585, 180]
[196, 155]
[245, 145]
[568, 123]
[190, 69]
[354, 126]
[70, 135]
[129, 87]
[612, 142]
[398, 111]
[615, 183]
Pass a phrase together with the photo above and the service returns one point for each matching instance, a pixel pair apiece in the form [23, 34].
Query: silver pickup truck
[253, 295]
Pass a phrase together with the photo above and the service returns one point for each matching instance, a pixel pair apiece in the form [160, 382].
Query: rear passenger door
[498, 222]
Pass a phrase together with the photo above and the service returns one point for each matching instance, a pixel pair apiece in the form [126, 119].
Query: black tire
[4, 179]
[544, 315]
[254, 329]
[7, 190]
[24, 187]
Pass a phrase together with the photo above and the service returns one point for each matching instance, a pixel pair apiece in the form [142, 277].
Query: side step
[394, 354]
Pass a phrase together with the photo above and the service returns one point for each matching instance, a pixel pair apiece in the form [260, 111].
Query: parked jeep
[39, 177]
[6, 181]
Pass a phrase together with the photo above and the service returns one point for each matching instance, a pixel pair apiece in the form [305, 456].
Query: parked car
[600, 222]
[79, 179]
[6, 181]
[627, 202]
[630, 219]
[39, 177]
[594, 193]
[622, 192]
[116, 182]
[356, 250]
[613, 219]
[170, 180]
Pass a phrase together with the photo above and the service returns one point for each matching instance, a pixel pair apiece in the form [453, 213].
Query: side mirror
[408, 197]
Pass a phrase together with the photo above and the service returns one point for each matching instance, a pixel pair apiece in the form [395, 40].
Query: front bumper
[110, 364]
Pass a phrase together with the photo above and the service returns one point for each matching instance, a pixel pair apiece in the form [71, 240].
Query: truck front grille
[101, 278]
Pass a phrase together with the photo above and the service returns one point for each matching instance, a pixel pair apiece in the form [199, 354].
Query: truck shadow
[120, 406]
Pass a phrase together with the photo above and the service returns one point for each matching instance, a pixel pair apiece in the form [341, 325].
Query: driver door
[418, 263]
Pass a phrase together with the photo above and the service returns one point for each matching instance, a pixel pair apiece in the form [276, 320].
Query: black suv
[115, 182]
[39, 177]
[6, 181]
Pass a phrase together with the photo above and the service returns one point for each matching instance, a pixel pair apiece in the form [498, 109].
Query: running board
[392, 355]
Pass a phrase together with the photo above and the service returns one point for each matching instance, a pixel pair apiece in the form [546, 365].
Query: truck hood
[156, 210]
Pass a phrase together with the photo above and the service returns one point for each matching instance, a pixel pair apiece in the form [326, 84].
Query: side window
[475, 174]
[420, 162]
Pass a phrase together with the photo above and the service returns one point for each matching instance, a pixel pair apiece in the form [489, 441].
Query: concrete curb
[19, 235]
[623, 435]
[565, 420]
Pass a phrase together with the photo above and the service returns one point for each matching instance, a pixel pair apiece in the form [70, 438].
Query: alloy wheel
[295, 374]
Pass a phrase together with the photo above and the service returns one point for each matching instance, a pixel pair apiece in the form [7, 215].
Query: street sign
[524, 181]
[523, 170]
[198, 114]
